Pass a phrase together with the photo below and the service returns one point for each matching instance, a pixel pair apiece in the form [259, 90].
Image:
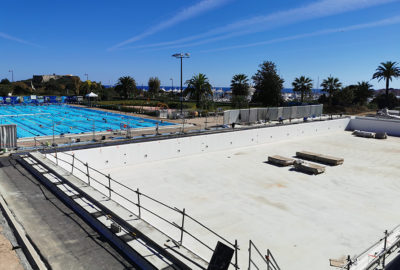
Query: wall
[135, 153]
[390, 126]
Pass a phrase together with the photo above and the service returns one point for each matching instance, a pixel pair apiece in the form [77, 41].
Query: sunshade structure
[92, 95]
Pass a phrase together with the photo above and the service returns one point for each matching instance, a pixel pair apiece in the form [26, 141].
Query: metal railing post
[88, 176]
[72, 165]
[55, 149]
[384, 249]
[236, 254]
[182, 227]
[109, 186]
[249, 254]
[348, 262]
[138, 199]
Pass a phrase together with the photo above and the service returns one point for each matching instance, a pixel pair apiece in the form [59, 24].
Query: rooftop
[305, 220]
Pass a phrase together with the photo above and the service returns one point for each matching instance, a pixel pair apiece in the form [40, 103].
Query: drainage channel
[143, 244]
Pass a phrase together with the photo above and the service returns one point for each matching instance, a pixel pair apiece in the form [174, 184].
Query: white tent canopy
[91, 94]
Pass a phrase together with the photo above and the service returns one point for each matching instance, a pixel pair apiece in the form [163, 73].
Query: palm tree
[240, 90]
[240, 85]
[198, 87]
[387, 70]
[126, 86]
[362, 92]
[331, 86]
[302, 85]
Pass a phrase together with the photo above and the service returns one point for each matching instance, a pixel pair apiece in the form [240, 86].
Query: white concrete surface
[305, 220]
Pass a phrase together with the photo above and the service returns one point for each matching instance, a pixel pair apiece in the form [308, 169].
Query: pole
[94, 138]
[249, 254]
[53, 133]
[384, 249]
[87, 170]
[55, 149]
[182, 227]
[109, 186]
[181, 86]
[348, 262]
[236, 254]
[138, 199]
[72, 165]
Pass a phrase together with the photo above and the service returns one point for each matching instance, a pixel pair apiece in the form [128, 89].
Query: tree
[240, 90]
[344, 97]
[21, 88]
[303, 85]
[387, 70]
[268, 85]
[390, 101]
[74, 85]
[5, 81]
[362, 92]
[331, 86]
[85, 87]
[126, 86]
[198, 88]
[154, 85]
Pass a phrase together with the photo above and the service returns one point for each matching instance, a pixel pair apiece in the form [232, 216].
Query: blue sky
[109, 39]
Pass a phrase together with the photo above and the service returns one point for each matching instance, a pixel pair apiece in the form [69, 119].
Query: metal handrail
[268, 259]
[140, 206]
[380, 259]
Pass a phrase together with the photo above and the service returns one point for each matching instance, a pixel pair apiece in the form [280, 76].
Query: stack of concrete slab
[308, 167]
[367, 134]
[364, 134]
[298, 165]
[381, 135]
[324, 159]
[280, 161]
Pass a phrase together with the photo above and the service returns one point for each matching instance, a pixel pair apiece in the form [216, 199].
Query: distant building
[46, 78]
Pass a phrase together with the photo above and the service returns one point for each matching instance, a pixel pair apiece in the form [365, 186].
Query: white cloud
[6, 36]
[183, 15]
[320, 9]
[389, 21]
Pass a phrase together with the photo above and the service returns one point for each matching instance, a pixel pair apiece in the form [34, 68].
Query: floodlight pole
[181, 56]
[172, 84]
[12, 75]
[87, 76]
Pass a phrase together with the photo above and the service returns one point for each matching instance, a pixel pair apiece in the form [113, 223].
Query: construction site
[294, 189]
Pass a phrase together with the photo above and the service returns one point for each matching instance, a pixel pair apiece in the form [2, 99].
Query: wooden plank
[281, 161]
[308, 167]
[324, 159]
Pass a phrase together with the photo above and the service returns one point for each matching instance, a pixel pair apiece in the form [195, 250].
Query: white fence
[271, 114]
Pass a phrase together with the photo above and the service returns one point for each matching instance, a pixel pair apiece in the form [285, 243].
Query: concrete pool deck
[305, 220]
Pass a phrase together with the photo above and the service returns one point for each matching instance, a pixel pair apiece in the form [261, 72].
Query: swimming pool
[33, 121]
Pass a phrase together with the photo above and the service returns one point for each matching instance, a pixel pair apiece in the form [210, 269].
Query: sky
[347, 39]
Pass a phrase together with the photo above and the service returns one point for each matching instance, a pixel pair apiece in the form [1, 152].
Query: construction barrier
[8, 136]
[271, 114]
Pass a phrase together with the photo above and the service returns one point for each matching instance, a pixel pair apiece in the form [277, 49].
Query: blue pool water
[33, 121]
